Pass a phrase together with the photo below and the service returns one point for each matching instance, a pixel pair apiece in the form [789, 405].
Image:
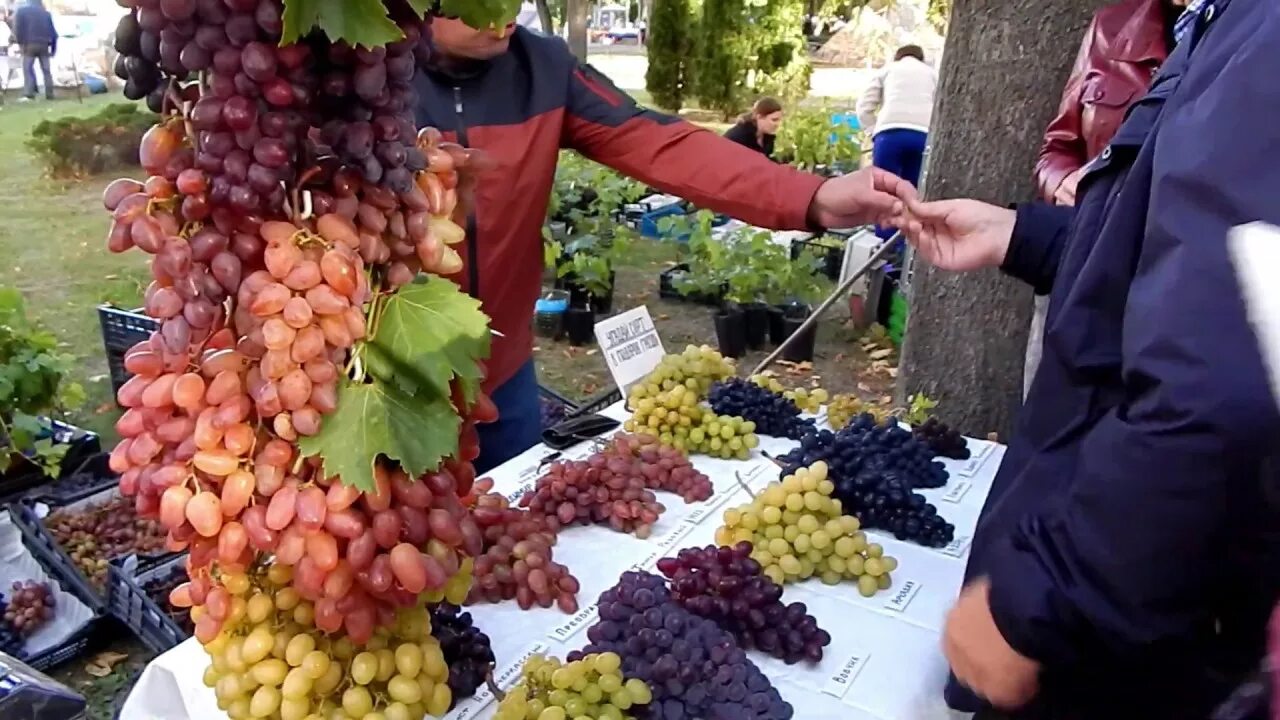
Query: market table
[884, 661]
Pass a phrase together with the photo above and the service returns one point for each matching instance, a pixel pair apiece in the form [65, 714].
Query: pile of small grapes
[550, 412]
[600, 490]
[772, 413]
[727, 586]
[668, 404]
[591, 687]
[843, 408]
[797, 530]
[942, 439]
[269, 660]
[28, 606]
[12, 643]
[693, 667]
[661, 467]
[810, 401]
[517, 559]
[865, 445]
[467, 651]
[97, 533]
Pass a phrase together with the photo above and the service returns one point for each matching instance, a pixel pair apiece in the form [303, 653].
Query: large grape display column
[299, 229]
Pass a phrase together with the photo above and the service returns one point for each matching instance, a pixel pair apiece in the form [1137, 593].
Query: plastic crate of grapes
[597, 403]
[554, 407]
[140, 600]
[23, 477]
[95, 530]
[121, 330]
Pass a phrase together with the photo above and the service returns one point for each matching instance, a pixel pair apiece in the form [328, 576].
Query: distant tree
[747, 48]
[671, 28]
[782, 67]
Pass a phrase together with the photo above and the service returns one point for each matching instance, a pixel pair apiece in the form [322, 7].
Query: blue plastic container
[649, 220]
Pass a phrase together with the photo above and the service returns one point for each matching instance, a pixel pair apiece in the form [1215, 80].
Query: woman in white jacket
[895, 109]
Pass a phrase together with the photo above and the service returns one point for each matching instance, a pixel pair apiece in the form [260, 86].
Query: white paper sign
[900, 597]
[504, 677]
[631, 346]
[837, 685]
[581, 619]
[957, 490]
[976, 461]
[958, 547]
[674, 536]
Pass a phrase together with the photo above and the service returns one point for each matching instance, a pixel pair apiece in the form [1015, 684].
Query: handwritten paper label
[902, 596]
[505, 678]
[958, 547]
[956, 492]
[631, 346]
[648, 562]
[838, 684]
[673, 538]
[584, 617]
[970, 467]
[713, 503]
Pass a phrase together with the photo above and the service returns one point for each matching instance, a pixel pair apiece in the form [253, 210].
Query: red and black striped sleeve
[607, 125]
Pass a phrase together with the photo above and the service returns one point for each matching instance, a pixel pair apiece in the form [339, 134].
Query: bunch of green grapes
[270, 661]
[668, 404]
[799, 531]
[844, 408]
[810, 401]
[588, 689]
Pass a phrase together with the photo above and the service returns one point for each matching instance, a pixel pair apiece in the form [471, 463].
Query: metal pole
[813, 318]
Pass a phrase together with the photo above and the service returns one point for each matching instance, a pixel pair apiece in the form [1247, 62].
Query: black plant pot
[549, 325]
[603, 305]
[731, 332]
[777, 331]
[757, 320]
[801, 348]
[579, 324]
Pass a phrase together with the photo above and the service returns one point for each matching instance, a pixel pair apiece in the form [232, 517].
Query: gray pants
[1035, 343]
[30, 54]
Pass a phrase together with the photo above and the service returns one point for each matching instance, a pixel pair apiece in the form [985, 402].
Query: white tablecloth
[884, 662]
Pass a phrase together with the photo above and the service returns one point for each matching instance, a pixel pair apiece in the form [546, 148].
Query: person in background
[518, 98]
[34, 33]
[1126, 559]
[758, 128]
[895, 109]
[1123, 48]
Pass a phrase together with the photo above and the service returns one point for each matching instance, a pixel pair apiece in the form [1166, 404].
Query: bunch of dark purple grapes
[772, 413]
[727, 586]
[467, 651]
[944, 440]
[694, 668]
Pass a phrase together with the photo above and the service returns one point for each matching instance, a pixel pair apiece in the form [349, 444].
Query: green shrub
[109, 139]
[806, 140]
[669, 44]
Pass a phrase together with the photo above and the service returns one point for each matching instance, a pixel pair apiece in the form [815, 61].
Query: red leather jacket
[1123, 48]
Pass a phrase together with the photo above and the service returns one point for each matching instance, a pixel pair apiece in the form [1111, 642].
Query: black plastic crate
[59, 563]
[129, 603]
[832, 255]
[121, 330]
[597, 403]
[91, 477]
[23, 478]
[70, 649]
[667, 288]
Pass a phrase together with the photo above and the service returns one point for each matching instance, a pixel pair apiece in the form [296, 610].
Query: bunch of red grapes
[517, 560]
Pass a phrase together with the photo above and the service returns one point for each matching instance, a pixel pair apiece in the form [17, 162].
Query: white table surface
[884, 662]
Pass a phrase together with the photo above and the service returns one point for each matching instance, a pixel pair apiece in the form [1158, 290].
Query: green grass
[52, 249]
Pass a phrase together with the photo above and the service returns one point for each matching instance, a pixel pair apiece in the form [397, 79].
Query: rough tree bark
[576, 13]
[544, 15]
[1003, 70]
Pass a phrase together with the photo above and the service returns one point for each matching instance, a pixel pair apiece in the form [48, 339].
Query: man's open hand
[980, 656]
[870, 195]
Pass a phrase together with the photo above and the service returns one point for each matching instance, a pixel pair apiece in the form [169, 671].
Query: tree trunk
[576, 12]
[544, 16]
[1004, 67]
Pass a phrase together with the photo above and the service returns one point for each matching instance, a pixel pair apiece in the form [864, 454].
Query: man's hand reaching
[959, 235]
[870, 195]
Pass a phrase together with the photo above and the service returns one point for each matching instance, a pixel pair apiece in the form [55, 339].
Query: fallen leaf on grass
[592, 351]
[864, 387]
[881, 354]
[537, 348]
[886, 400]
[893, 372]
[112, 276]
[104, 408]
[103, 663]
[839, 357]
[664, 316]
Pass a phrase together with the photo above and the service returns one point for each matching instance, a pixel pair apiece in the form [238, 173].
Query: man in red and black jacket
[520, 97]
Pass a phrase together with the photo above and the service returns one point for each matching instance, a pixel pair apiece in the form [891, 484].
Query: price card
[648, 562]
[504, 677]
[581, 619]
[970, 467]
[958, 547]
[631, 346]
[708, 508]
[839, 682]
[902, 596]
[673, 538]
[957, 490]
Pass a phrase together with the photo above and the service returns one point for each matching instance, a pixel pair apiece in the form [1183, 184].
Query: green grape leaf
[380, 419]
[358, 22]
[429, 333]
[421, 7]
[481, 13]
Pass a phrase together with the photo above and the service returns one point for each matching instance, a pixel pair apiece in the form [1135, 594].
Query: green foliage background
[670, 42]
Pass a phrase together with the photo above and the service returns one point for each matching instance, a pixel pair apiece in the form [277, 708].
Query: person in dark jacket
[1127, 558]
[758, 128]
[520, 98]
[34, 33]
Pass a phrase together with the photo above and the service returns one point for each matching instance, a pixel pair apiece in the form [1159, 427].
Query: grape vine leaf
[359, 22]
[481, 13]
[380, 419]
[429, 333]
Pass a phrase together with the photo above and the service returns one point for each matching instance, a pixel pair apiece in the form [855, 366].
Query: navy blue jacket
[33, 25]
[1132, 536]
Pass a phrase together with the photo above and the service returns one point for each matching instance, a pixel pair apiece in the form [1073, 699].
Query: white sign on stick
[631, 346]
